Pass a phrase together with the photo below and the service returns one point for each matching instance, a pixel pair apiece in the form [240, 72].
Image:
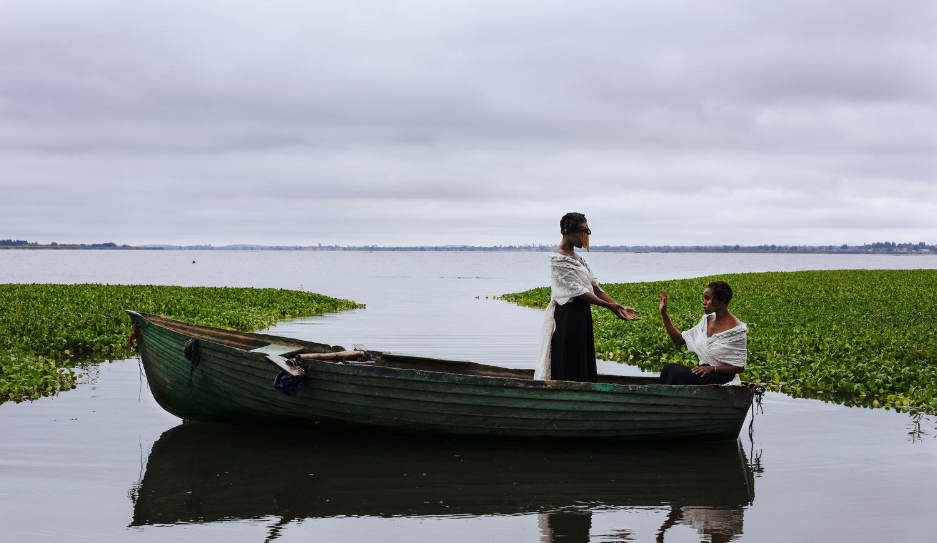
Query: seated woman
[720, 341]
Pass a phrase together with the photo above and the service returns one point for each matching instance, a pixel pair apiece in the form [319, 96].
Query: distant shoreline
[77, 247]
[853, 250]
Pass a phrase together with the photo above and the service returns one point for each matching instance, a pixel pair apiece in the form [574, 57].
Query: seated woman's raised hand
[663, 302]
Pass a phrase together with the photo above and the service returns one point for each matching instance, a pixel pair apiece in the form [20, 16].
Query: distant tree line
[881, 247]
[884, 247]
[15, 242]
[891, 245]
[37, 245]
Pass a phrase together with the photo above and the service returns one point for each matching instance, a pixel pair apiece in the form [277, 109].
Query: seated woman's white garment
[569, 278]
[726, 348]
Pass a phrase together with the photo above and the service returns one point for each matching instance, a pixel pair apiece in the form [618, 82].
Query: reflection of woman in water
[565, 526]
[721, 525]
[719, 340]
[567, 350]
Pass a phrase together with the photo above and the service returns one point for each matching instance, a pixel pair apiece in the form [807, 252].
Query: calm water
[105, 463]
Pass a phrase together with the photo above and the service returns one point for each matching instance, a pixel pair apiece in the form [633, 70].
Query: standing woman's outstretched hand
[663, 302]
[626, 313]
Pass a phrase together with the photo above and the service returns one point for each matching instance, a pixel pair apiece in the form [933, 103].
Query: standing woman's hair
[570, 222]
[721, 291]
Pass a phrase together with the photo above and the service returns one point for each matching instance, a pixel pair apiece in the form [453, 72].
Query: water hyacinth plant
[28, 377]
[45, 329]
[860, 337]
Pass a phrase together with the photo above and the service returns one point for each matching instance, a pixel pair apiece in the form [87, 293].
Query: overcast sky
[476, 122]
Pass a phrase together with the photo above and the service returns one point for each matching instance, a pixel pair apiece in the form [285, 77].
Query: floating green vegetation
[26, 377]
[44, 328]
[860, 337]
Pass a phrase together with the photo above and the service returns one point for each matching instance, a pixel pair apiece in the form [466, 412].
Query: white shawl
[569, 278]
[726, 348]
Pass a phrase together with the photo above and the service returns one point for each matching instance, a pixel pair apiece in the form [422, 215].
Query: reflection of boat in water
[208, 374]
[206, 473]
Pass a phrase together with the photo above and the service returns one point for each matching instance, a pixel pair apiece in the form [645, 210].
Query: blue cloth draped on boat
[287, 384]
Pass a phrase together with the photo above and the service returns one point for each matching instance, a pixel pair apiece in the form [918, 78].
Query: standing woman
[567, 347]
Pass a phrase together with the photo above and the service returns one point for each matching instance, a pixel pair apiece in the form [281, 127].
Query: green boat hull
[230, 379]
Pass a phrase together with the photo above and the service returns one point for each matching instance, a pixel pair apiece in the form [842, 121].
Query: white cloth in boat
[569, 277]
[726, 348]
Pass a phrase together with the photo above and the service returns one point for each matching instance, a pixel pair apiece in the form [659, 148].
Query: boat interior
[284, 352]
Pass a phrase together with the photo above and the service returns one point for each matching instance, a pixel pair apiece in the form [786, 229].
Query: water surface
[105, 463]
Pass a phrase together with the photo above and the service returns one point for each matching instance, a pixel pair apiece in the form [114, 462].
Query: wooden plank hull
[232, 382]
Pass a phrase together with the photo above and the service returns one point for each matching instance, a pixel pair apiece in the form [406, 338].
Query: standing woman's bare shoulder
[738, 322]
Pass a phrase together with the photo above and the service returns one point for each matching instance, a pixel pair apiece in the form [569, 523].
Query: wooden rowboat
[207, 374]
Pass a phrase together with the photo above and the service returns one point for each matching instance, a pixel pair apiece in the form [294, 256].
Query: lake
[103, 462]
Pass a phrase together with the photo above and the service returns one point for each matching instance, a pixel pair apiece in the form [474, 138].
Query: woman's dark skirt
[678, 374]
[572, 349]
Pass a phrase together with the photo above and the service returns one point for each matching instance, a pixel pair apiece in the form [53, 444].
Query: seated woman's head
[716, 295]
[576, 228]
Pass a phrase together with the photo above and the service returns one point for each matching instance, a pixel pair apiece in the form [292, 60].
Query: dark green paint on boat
[233, 383]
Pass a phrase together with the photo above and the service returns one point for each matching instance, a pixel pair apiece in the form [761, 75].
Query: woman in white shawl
[719, 340]
[567, 347]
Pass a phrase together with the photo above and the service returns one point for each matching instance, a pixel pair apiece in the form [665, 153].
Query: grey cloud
[220, 118]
